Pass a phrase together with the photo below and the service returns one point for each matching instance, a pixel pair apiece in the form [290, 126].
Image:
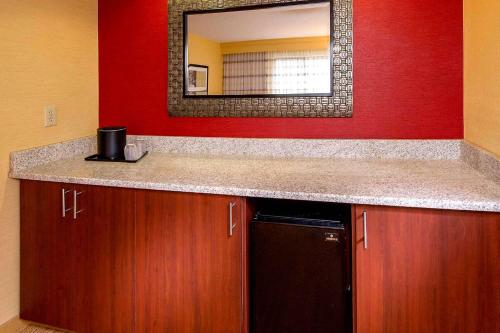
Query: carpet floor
[17, 325]
[35, 329]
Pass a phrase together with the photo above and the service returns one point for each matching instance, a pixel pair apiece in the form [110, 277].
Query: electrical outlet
[50, 116]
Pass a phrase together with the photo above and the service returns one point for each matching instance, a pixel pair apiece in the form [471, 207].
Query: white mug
[140, 146]
[131, 152]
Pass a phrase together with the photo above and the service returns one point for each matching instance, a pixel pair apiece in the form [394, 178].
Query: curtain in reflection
[290, 72]
[300, 72]
[246, 73]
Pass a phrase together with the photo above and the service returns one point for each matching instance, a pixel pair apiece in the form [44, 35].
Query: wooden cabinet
[51, 253]
[154, 261]
[189, 263]
[131, 261]
[77, 273]
[109, 216]
[426, 271]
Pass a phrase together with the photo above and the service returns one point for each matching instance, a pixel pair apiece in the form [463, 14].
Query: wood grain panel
[189, 270]
[78, 274]
[109, 220]
[427, 271]
[51, 248]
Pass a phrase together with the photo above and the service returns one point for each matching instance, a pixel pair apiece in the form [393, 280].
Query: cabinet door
[77, 273]
[427, 271]
[106, 218]
[51, 253]
[189, 266]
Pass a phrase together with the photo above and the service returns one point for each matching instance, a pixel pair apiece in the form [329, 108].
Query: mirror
[206, 96]
[273, 50]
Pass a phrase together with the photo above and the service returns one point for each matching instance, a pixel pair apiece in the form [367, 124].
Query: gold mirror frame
[339, 105]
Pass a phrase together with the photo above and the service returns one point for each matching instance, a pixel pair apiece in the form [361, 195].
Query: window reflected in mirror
[273, 50]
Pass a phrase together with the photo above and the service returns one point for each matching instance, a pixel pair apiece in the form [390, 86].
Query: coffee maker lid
[112, 129]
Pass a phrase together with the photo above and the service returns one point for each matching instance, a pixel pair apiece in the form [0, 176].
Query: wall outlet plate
[50, 116]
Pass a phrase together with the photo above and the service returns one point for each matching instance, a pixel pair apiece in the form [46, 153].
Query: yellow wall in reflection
[277, 45]
[203, 51]
[481, 73]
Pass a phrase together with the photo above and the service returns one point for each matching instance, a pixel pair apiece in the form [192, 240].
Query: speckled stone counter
[434, 183]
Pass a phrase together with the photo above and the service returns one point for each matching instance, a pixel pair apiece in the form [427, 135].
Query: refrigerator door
[299, 279]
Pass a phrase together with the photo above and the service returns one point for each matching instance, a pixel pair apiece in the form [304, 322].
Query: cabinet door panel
[189, 270]
[108, 219]
[78, 274]
[427, 271]
[50, 248]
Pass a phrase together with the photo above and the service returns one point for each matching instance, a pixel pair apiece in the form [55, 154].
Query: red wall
[407, 75]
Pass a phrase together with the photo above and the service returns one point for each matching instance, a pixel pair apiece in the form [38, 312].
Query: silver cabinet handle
[75, 200]
[365, 231]
[64, 209]
[231, 225]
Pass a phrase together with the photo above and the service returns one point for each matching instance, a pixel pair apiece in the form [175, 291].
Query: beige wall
[48, 56]
[482, 73]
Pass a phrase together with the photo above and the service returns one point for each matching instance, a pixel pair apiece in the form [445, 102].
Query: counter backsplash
[278, 148]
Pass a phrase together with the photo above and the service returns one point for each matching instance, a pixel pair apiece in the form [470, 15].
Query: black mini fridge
[300, 269]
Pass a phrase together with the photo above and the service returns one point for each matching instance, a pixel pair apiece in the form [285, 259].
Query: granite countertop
[448, 184]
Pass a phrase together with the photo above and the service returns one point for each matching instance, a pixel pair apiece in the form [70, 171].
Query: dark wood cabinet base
[131, 260]
[427, 270]
[78, 274]
[153, 261]
[189, 266]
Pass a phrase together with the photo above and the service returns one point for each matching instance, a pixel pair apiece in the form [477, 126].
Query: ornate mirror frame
[339, 105]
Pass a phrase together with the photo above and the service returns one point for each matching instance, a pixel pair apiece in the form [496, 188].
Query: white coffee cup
[141, 147]
[131, 152]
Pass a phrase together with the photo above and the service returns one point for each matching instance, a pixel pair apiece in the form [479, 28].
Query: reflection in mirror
[278, 50]
[197, 79]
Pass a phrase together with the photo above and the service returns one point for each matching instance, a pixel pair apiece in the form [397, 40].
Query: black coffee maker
[111, 142]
